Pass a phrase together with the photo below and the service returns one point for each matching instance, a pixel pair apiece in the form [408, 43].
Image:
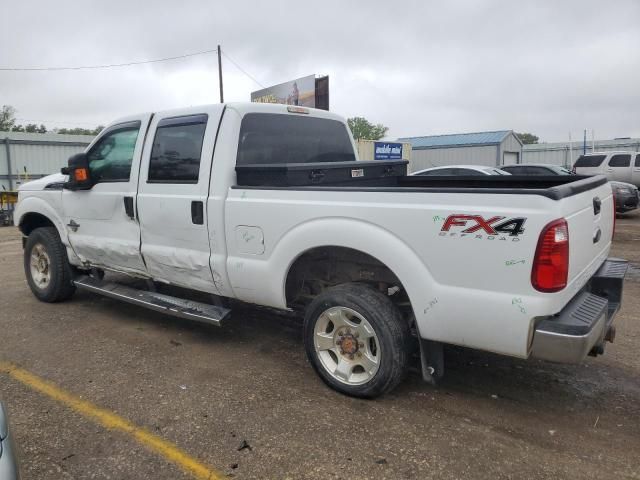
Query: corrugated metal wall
[39, 153]
[436, 157]
[510, 144]
[559, 153]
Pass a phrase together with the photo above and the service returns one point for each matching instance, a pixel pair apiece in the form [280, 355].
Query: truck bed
[554, 187]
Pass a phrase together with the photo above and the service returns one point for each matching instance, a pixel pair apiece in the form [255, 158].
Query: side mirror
[78, 171]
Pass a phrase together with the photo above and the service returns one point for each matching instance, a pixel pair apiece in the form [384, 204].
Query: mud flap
[431, 360]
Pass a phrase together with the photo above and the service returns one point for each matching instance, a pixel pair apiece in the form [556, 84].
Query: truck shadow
[271, 336]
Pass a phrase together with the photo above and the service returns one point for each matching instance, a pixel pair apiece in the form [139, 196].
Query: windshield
[561, 170]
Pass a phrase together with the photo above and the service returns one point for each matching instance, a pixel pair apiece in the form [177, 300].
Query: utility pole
[220, 74]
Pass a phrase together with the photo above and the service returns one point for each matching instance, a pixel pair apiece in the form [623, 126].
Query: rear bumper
[586, 322]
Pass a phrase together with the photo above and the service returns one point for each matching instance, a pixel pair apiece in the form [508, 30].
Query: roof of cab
[241, 108]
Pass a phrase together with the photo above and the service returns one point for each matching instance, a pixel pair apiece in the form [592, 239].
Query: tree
[80, 131]
[362, 129]
[527, 138]
[7, 118]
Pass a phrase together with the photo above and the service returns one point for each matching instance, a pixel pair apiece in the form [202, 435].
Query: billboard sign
[387, 151]
[301, 91]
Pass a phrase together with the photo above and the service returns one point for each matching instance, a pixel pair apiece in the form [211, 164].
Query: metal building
[25, 156]
[482, 148]
[565, 153]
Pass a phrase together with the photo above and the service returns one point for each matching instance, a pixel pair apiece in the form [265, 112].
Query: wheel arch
[370, 240]
[32, 220]
[341, 265]
[34, 212]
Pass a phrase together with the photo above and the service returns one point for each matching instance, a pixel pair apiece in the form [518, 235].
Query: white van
[618, 166]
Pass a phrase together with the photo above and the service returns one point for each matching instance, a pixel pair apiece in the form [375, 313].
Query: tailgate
[590, 215]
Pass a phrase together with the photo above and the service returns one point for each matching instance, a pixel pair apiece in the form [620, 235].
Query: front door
[619, 167]
[101, 223]
[172, 197]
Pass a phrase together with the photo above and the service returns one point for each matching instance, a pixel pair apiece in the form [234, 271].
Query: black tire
[392, 330]
[60, 286]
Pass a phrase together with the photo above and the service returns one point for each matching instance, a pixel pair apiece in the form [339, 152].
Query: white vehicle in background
[267, 204]
[618, 166]
[460, 170]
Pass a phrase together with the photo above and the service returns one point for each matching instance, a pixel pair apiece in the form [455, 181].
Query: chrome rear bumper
[586, 322]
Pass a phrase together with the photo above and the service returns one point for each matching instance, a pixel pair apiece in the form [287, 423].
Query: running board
[200, 312]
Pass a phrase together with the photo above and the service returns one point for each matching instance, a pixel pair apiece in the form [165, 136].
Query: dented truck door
[172, 197]
[101, 222]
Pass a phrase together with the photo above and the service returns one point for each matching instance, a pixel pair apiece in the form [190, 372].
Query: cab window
[110, 158]
[620, 161]
[268, 138]
[589, 161]
[177, 148]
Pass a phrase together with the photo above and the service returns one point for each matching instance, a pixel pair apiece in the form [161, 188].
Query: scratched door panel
[172, 197]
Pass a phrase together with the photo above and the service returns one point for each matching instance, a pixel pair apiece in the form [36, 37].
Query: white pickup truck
[507, 264]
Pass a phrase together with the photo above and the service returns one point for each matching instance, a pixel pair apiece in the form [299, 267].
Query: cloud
[419, 67]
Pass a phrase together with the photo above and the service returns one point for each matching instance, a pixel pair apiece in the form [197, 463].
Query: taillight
[551, 262]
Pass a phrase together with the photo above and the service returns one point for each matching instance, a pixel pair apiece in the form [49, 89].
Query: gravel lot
[207, 389]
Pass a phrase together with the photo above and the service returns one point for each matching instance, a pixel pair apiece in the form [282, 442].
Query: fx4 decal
[490, 226]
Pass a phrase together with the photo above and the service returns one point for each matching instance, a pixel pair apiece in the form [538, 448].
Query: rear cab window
[589, 161]
[272, 138]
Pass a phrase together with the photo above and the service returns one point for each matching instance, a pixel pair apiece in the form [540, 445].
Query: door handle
[128, 207]
[197, 212]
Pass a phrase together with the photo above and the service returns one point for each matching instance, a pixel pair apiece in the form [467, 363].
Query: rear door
[619, 167]
[101, 222]
[172, 197]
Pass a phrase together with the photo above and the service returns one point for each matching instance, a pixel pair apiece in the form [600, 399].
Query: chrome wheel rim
[347, 346]
[40, 266]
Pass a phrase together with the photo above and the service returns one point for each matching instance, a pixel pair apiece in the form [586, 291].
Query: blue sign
[387, 151]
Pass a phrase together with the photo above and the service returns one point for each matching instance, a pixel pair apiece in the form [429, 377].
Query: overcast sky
[421, 68]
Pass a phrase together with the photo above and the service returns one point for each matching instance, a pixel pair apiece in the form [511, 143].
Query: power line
[113, 65]
[241, 69]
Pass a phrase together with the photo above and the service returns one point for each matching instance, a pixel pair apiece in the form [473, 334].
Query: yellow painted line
[112, 421]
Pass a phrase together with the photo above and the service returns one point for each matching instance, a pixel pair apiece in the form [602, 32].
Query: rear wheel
[357, 340]
[47, 267]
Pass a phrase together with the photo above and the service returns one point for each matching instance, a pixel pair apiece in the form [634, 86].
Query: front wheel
[47, 267]
[357, 340]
